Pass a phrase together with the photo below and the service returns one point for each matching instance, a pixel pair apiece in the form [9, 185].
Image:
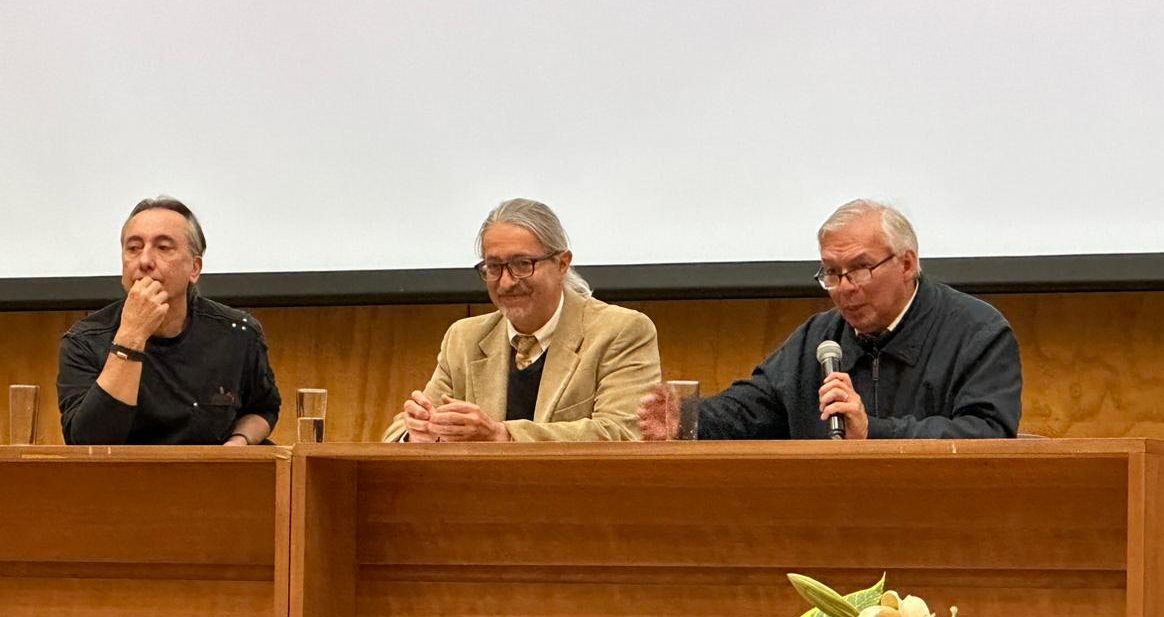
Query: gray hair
[194, 236]
[898, 231]
[539, 220]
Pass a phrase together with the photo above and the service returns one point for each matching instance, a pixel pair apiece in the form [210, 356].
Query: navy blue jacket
[950, 369]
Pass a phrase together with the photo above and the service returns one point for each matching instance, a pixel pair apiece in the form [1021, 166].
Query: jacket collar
[490, 369]
[562, 356]
[905, 343]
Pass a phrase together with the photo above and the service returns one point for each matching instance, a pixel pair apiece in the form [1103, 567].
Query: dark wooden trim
[778, 279]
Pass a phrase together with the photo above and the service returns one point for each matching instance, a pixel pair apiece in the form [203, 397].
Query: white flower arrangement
[871, 602]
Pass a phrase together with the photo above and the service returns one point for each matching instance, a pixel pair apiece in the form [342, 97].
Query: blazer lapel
[490, 372]
[562, 357]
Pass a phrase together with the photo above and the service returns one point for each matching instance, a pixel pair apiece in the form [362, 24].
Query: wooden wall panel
[719, 341]
[368, 358]
[28, 355]
[1093, 363]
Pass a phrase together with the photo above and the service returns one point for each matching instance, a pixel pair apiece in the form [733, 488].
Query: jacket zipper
[876, 376]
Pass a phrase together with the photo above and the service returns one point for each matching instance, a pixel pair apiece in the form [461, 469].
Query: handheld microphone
[828, 353]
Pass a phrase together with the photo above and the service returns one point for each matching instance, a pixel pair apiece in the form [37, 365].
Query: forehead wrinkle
[505, 251]
[160, 219]
[504, 240]
[849, 246]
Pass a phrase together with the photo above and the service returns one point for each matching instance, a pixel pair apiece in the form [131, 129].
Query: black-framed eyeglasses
[856, 276]
[519, 267]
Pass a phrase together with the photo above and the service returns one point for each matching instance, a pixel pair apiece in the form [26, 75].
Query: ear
[196, 270]
[564, 261]
[909, 263]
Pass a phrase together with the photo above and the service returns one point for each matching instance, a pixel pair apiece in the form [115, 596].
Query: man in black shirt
[165, 365]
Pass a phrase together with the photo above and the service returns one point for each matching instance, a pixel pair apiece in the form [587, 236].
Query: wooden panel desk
[1019, 527]
[136, 531]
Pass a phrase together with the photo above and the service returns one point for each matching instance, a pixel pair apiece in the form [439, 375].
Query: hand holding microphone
[839, 402]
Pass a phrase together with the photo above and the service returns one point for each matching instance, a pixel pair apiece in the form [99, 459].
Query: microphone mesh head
[828, 349]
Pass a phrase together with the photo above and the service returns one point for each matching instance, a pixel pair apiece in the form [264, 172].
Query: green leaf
[867, 597]
[859, 599]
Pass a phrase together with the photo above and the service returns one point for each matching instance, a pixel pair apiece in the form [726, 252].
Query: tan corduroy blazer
[602, 360]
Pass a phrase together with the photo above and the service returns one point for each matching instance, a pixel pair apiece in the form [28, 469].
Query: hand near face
[837, 397]
[456, 420]
[146, 306]
[658, 415]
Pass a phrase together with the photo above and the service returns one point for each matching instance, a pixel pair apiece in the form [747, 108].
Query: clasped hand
[453, 420]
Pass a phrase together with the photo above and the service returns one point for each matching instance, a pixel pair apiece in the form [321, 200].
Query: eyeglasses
[519, 267]
[857, 276]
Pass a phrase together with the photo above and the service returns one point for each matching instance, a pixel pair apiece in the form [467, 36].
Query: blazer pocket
[575, 411]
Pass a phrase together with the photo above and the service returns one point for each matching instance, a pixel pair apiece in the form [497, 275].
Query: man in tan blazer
[551, 364]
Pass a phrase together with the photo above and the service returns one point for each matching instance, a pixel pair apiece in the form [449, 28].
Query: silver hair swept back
[543, 224]
[898, 231]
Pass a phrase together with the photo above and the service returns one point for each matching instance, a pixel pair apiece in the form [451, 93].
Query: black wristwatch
[126, 353]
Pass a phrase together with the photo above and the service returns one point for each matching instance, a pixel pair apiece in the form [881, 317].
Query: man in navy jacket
[919, 359]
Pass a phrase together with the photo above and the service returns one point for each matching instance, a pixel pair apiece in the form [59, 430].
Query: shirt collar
[544, 333]
[905, 310]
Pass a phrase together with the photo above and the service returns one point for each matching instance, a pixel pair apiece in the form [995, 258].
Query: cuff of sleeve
[880, 428]
[516, 430]
[270, 416]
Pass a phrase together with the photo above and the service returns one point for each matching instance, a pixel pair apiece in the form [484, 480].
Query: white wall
[376, 134]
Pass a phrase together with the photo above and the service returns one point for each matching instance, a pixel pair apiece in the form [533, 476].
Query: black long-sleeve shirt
[193, 386]
[950, 369]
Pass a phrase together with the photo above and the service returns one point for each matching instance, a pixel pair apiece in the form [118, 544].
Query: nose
[145, 260]
[846, 286]
[506, 280]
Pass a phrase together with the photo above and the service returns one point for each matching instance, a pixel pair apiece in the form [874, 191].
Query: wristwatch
[125, 353]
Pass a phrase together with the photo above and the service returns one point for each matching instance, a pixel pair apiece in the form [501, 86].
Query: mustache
[513, 292]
